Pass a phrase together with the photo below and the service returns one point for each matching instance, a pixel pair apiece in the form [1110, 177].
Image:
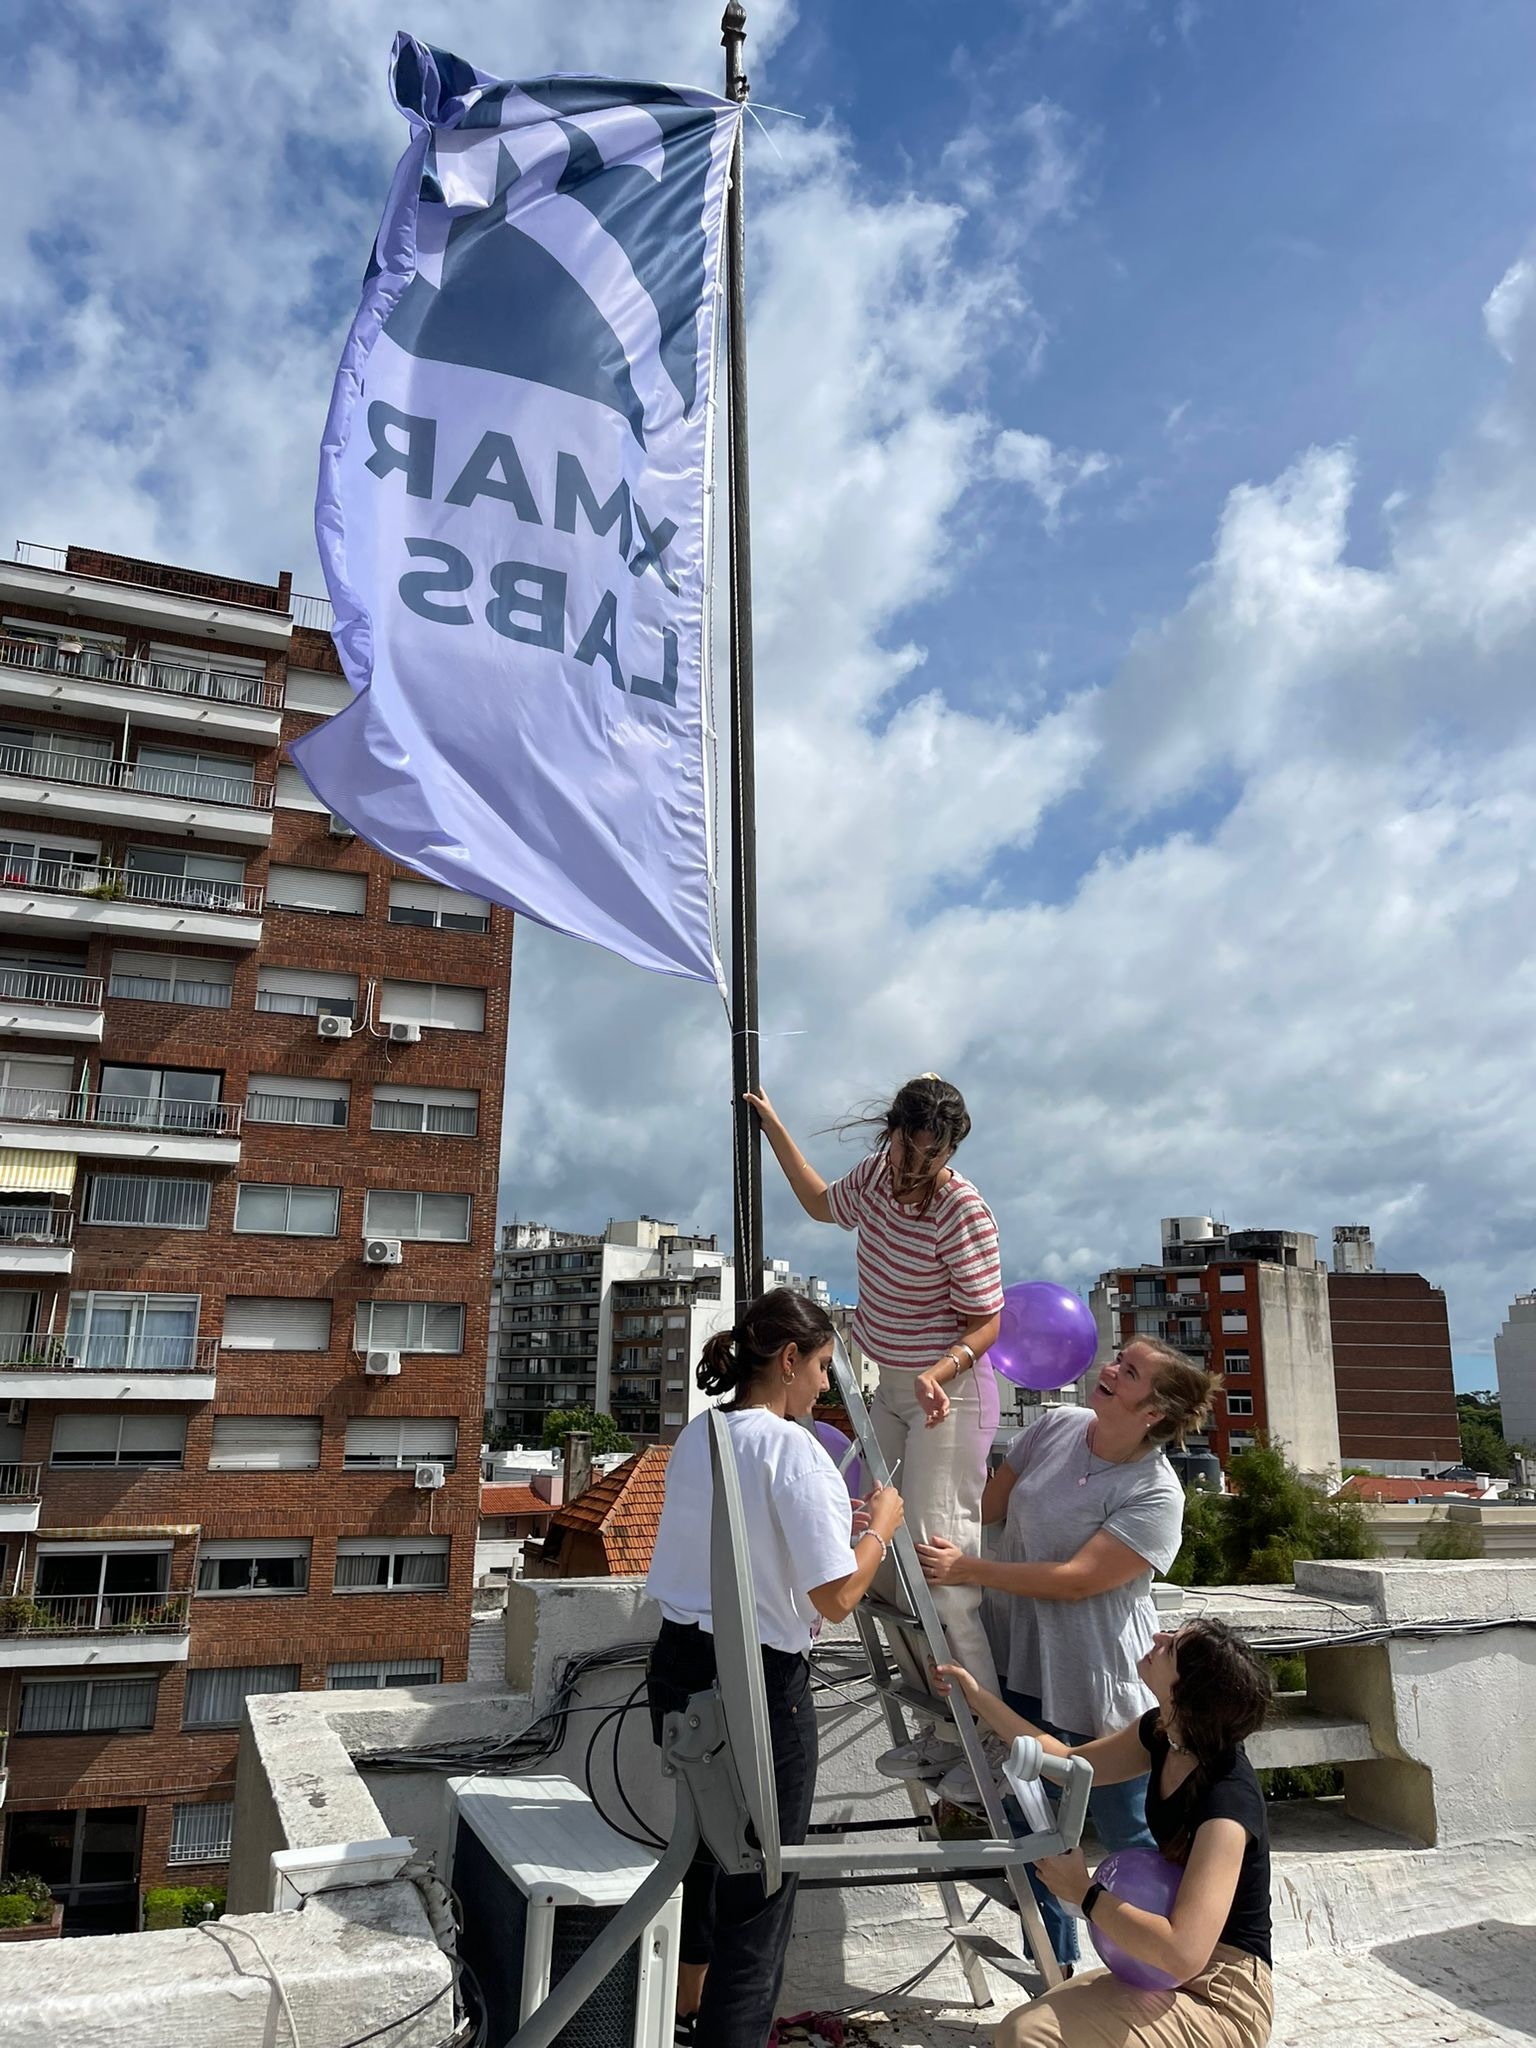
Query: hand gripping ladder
[719, 1755]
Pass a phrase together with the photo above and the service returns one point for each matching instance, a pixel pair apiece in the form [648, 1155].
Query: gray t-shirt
[1079, 1657]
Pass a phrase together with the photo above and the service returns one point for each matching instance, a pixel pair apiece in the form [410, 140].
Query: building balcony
[36, 1240]
[97, 791]
[148, 594]
[52, 896]
[39, 1367]
[21, 1497]
[60, 1629]
[38, 1004]
[120, 1126]
[193, 696]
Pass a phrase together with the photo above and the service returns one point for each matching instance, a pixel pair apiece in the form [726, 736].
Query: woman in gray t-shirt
[1093, 1508]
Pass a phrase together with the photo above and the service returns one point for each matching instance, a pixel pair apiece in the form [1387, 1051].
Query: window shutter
[294, 793]
[343, 895]
[384, 1438]
[265, 1443]
[437, 1004]
[214, 1698]
[255, 1322]
[304, 981]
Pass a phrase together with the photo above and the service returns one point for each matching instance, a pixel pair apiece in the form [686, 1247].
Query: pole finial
[733, 33]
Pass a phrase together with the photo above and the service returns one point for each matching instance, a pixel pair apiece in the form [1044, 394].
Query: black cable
[618, 1782]
[649, 1840]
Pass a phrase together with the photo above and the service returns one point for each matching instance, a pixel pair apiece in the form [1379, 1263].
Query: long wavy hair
[1220, 1696]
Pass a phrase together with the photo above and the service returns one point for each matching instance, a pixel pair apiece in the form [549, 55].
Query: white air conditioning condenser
[404, 1034]
[382, 1251]
[381, 1365]
[430, 1477]
[329, 1025]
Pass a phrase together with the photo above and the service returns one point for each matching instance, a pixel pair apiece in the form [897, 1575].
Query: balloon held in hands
[1047, 1337]
[1141, 1877]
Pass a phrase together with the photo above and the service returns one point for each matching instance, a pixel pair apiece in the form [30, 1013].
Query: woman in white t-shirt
[806, 1563]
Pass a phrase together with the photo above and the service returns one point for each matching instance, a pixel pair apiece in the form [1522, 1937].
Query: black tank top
[1233, 1793]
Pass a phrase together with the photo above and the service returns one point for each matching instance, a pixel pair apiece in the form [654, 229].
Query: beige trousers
[1231, 2004]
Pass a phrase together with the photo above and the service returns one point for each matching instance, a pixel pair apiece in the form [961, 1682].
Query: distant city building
[1251, 1304]
[1354, 1250]
[1393, 1374]
[1514, 1351]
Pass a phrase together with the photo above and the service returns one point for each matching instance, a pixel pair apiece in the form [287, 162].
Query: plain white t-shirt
[799, 1525]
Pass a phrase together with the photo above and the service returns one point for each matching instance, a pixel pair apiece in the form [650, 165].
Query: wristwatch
[1091, 1899]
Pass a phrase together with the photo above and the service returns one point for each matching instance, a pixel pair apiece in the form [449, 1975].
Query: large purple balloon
[1142, 1878]
[1047, 1339]
[837, 1446]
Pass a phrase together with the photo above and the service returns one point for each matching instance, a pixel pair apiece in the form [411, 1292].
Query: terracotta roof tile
[1374, 1486]
[623, 1509]
[506, 1497]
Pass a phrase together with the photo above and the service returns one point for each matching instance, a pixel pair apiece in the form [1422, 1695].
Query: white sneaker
[958, 1785]
[928, 1755]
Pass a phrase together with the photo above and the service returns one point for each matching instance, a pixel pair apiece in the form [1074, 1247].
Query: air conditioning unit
[328, 1025]
[381, 1365]
[541, 1874]
[16, 1413]
[381, 1251]
[339, 828]
[430, 1477]
[404, 1034]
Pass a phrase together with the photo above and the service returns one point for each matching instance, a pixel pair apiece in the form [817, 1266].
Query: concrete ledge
[1401, 1589]
[1294, 1737]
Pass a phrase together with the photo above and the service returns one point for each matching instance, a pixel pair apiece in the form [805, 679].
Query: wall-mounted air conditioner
[381, 1365]
[339, 828]
[382, 1251]
[404, 1034]
[430, 1477]
[328, 1025]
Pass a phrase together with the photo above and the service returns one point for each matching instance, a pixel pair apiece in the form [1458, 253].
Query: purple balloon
[1047, 1338]
[837, 1447]
[1142, 1877]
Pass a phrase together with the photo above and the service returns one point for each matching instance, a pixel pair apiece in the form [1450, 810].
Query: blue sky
[1144, 414]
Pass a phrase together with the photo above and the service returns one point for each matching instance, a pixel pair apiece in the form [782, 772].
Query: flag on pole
[512, 508]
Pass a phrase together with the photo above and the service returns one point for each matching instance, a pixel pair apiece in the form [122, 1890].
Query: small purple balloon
[837, 1446]
[1047, 1338]
[1142, 1877]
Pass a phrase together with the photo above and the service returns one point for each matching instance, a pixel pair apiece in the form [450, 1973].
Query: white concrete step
[1294, 1736]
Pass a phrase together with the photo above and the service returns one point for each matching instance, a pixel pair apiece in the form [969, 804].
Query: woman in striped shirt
[930, 1293]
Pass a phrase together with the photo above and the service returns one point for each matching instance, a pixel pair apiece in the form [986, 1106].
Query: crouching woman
[1206, 1812]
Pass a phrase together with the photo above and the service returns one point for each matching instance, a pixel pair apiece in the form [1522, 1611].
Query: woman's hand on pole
[944, 1563]
[957, 1676]
[758, 1100]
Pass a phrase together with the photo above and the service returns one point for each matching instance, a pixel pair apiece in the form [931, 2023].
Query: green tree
[1482, 1435]
[1440, 1537]
[1271, 1518]
[605, 1433]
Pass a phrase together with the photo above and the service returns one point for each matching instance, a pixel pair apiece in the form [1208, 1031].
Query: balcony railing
[120, 1112]
[101, 771]
[134, 885]
[189, 678]
[20, 1482]
[36, 1226]
[36, 1352]
[61, 991]
[318, 613]
[74, 1614]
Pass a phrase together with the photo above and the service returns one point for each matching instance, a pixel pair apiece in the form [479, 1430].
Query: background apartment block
[1393, 1373]
[1514, 1351]
[1253, 1305]
[615, 1322]
[250, 1101]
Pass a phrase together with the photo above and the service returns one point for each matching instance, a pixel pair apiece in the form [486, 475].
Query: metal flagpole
[748, 1175]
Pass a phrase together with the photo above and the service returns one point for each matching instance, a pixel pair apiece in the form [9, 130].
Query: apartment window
[37, 1090]
[438, 1112]
[399, 1212]
[430, 903]
[128, 1439]
[393, 1671]
[1239, 1404]
[391, 1564]
[1231, 1283]
[327, 892]
[284, 1211]
[161, 1098]
[1234, 1323]
[145, 1202]
[256, 1322]
[215, 1698]
[87, 1706]
[435, 1005]
[168, 978]
[1235, 1362]
[292, 1099]
[294, 793]
[201, 881]
[253, 1565]
[393, 1443]
[67, 865]
[410, 1326]
[134, 1332]
[206, 778]
[1239, 1442]
[300, 992]
[94, 1588]
[63, 756]
[265, 1443]
[201, 1834]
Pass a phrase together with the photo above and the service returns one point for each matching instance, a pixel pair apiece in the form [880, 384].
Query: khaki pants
[943, 1472]
[1231, 2004]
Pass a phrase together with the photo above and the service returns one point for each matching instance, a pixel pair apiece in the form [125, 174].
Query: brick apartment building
[1393, 1372]
[250, 1101]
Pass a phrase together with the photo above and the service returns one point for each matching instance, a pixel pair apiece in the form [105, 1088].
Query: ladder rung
[887, 1610]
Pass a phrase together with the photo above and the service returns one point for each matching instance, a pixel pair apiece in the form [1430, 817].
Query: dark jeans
[729, 1921]
[1118, 1813]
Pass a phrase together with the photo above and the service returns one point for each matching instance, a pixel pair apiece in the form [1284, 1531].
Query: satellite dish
[738, 1654]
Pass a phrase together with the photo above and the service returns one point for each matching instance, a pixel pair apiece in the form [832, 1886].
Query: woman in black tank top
[1206, 1812]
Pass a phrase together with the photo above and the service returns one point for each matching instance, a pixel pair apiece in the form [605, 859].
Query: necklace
[1094, 1458]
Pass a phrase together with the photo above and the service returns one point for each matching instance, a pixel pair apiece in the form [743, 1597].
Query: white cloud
[1508, 304]
[1048, 473]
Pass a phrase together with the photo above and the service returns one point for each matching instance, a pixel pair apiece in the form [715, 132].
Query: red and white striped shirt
[921, 1278]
